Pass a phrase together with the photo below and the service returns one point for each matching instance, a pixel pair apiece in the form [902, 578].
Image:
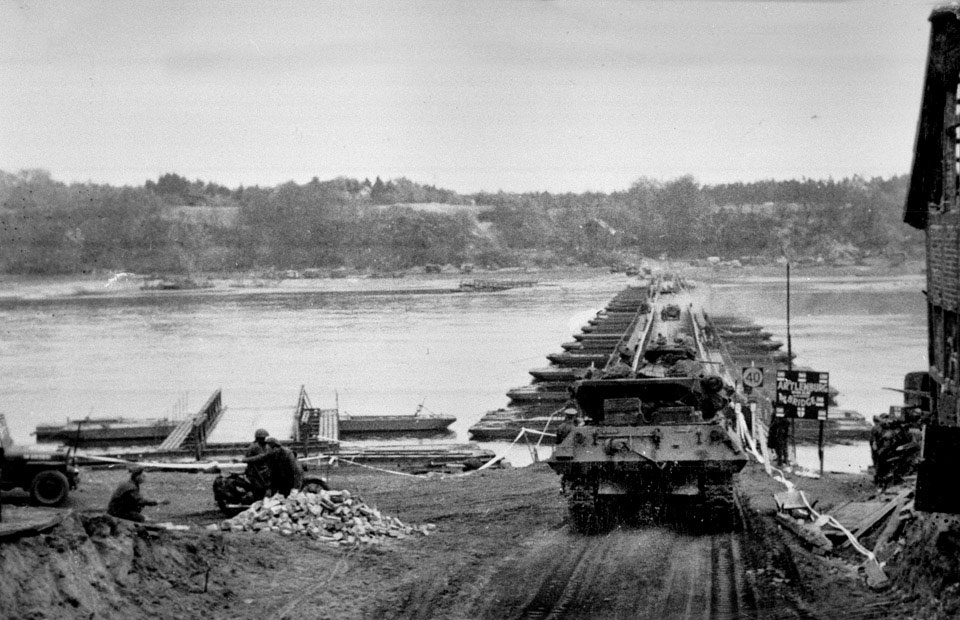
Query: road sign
[802, 394]
[752, 376]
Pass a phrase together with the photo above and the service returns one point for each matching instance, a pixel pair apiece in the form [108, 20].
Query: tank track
[719, 511]
[714, 511]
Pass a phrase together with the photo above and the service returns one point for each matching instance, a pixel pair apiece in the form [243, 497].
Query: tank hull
[641, 449]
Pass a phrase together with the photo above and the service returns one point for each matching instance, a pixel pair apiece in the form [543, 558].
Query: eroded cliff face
[100, 567]
[925, 565]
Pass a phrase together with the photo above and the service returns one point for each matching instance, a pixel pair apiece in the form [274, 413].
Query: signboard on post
[752, 376]
[802, 394]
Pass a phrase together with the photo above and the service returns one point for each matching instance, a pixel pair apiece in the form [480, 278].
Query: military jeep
[48, 475]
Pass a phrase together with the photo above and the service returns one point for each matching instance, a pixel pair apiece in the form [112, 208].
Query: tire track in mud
[565, 584]
[643, 573]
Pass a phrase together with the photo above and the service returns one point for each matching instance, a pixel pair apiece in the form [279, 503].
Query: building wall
[934, 200]
[943, 280]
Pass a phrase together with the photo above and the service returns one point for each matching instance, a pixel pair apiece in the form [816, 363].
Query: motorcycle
[235, 493]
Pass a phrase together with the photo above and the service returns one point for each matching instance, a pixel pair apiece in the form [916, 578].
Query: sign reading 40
[752, 376]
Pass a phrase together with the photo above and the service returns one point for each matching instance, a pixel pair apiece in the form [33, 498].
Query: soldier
[259, 445]
[777, 437]
[895, 445]
[712, 400]
[286, 472]
[258, 473]
[126, 501]
[565, 427]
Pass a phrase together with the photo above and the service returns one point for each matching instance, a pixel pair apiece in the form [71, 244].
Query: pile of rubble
[328, 516]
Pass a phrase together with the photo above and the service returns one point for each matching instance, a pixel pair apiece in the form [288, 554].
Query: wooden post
[793, 428]
[789, 340]
[820, 448]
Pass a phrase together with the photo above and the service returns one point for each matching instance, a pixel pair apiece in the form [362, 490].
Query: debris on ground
[327, 516]
[846, 526]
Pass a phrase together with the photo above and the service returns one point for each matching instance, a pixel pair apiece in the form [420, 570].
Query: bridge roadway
[690, 328]
[643, 572]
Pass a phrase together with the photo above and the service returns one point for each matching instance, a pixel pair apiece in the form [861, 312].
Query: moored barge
[377, 424]
[106, 431]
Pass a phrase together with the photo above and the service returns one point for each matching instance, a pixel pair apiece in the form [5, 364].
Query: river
[134, 354]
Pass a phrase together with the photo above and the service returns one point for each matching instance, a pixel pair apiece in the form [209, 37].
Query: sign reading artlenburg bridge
[802, 394]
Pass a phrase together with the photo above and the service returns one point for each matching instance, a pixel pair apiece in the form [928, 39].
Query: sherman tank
[658, 444]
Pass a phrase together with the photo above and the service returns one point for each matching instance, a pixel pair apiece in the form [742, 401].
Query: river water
[134, 354]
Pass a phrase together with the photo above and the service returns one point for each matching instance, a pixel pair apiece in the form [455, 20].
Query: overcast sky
[472, 95]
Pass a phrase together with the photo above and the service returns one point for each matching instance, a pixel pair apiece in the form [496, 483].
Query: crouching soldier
[126, 501]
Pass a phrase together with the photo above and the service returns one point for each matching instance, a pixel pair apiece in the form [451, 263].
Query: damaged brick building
[933, 205]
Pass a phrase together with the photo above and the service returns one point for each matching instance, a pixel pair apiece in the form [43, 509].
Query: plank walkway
[197, 427]
[311, 423]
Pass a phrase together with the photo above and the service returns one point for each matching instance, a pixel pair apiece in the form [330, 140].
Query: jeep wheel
[314, 485]
[49, 488]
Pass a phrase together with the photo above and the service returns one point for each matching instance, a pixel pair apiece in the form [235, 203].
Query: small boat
[760, 345]
[605, 329]
[106, 431]
[175, 284]
[506, 430]
[750, 335]
[579, 360]
[403, 423]
[557, 373]
[540, 393]
[590, 346]
[734, 324]
[487, 286]
[610, 338]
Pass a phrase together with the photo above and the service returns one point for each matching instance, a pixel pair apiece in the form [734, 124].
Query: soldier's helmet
[261, 434]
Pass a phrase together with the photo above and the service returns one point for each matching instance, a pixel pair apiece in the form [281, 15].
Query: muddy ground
[502, 548]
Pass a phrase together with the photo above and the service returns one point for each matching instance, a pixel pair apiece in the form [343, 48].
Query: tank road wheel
[719, 509]
[49, 488]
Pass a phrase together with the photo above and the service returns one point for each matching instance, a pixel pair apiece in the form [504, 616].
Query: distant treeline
[173, 225]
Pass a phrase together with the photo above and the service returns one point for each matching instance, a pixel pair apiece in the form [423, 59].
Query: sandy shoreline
[14, 288]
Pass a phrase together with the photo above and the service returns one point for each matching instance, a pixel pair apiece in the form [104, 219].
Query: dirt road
[502, 548]
[651, 572]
